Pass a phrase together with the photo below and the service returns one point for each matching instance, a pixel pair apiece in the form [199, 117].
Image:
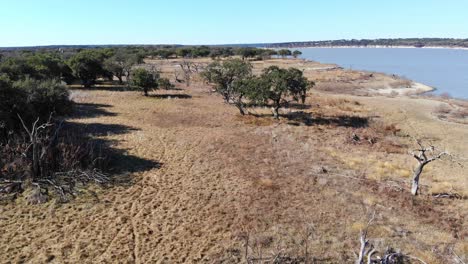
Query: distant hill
[407, 42]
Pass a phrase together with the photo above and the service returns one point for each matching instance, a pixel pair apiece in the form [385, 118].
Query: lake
[444, 69]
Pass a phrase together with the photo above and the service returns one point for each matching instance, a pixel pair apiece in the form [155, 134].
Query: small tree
[230, 79]
[120, 64]
[247, 52]
[298, 84]
[284, 53]
[145, 80]
[275, 81]
[296, 53]
[87, 65]
[188, 68]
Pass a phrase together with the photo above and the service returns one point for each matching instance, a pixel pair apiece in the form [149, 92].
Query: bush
[52, 159]
[31, 99]
[145, 80]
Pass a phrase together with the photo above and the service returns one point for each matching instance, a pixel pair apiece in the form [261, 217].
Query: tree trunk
[145, 90]
[276, 112]
[241, 109]
[120, 79]
[276, 108]
[35, 158]
[240, 105]
[415, 181]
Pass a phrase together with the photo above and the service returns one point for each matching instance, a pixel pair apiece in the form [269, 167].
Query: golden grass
[223, 174]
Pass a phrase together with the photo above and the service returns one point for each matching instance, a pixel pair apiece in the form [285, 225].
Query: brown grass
[224, 177]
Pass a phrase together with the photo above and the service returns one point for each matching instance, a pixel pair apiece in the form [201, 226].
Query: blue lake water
[444, 69]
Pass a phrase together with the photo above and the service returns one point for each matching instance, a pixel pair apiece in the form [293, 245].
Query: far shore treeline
[386, 42]
[399, 42]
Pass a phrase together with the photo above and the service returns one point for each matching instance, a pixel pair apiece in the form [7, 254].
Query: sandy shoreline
[415, 89]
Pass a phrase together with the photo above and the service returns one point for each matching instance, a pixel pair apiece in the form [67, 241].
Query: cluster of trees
[34, 153]
[84, 65]
[234, 81]
[88, 65]
[32, 87]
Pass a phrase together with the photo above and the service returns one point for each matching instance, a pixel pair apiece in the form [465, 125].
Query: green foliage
[87, 65]
[234, 81]
[201, 51]
[120, 64]
[45, 97]
[16, 68]
[229, 79]
[277, 83]
[284, 53]
[246, 53]
[39, 66]
[184, 52]
[298, 85]
[145, 80]
[221, 52]
[164, 53]
[30, 99]
[296, 53]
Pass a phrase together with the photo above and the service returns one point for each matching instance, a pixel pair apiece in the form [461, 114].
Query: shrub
[87, 65]
[229, 79]
[50, 160]
[31, 99]
[145, 80]
[443, 109]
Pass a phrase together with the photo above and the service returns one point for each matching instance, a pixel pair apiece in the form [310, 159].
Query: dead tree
[176, 76]
[34, 134]
[389, 256]
[365, 243]
[46, 160]
[188, 69]
[424, 155]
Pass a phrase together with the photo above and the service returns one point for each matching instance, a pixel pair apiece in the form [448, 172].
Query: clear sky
[48, 22]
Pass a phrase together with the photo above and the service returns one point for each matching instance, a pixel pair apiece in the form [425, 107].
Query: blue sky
[47, 22]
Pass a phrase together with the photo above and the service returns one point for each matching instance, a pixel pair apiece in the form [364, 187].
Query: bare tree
[424, 155]
[365, 243]
[45, 160]
[188, 69]
[34, 143]
[389, 256]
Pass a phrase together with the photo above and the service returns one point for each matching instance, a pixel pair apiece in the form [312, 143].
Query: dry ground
[207, 179]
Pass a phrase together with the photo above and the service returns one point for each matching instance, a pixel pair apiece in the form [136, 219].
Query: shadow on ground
[171, 96]
[298, 118]
[88, 110]
[118, 163]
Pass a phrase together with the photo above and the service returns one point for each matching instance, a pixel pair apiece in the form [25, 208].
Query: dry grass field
[198, 183]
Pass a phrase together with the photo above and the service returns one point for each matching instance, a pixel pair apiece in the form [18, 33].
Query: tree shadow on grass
[300, 106]
[99, 129]
[298, 118]
[171, 96]
[117, 162]
[111, 88]
[89, 110]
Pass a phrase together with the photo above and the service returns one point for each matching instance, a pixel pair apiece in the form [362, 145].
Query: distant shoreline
[380, 47]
